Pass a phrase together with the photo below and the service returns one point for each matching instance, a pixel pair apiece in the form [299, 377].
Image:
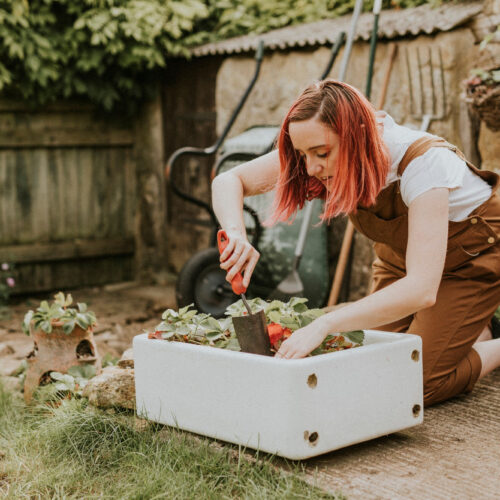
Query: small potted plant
[482, 90]
[483, 95]
[62, 338]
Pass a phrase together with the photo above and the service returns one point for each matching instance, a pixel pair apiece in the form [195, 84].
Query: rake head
[428, 96]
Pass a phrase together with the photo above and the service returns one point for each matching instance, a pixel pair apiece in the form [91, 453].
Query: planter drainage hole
[84, 349]
[416, 410]
[312, 381]
[312, 437]
[415, 355]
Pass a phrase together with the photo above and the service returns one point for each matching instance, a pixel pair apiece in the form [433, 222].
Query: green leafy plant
[59, 313]
[63, 386]
[484, 76]
[186, 325]
[283, 318]
[480, 77]
[75, 380]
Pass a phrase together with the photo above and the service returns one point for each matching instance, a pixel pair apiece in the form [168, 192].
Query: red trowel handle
[237, 282]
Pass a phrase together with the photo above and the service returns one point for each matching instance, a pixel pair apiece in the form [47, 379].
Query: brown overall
[469, 292]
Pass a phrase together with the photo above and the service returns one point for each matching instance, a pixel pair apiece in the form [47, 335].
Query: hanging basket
[483, 97]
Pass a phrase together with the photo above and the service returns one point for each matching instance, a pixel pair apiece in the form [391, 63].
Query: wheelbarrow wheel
[203, 283]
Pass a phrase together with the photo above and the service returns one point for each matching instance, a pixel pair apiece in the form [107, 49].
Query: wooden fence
[82, 196]
[67, 196]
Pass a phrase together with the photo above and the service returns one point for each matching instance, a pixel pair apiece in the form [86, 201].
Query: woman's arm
[228, 190]
[425, 256]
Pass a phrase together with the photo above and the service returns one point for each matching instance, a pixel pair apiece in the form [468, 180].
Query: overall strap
[421, 146]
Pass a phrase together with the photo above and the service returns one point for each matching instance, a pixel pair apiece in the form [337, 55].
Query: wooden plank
[43, 252]
[63, 194]
[60, 275]
[15, 139]
[56, 107]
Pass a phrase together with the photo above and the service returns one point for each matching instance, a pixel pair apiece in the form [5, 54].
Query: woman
[434, 218]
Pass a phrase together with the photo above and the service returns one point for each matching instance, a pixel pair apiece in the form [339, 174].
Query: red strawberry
[275, 332]
[154, 335]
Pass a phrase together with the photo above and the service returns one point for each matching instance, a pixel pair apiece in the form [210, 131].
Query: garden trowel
[251, 328]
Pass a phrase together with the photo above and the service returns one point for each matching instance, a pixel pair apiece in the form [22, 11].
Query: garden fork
[427, 111]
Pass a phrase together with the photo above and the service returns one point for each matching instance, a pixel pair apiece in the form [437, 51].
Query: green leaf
[82, 321]
[305, 320]
[46, 326]
[85, 371]
[214, 335]
[291, 323]
[44, 306]
[495, 75]
[275, 304]
[182, 330]
[27, 321]
[274, 316]
[56, 376]
[300, 307]
[357, 336]
[59, 298]
[233, 345]
[82, 307]
[68, 327]
[184, 310]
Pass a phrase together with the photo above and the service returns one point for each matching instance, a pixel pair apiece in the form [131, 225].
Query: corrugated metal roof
[392, 24]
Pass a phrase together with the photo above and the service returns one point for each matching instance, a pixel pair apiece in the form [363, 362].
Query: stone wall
[285, 73]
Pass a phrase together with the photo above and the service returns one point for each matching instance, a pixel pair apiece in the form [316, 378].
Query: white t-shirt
[436, 168]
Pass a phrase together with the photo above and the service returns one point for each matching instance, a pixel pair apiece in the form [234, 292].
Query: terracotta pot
[57, 352]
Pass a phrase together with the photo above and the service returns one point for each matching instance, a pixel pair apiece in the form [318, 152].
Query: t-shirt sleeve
[436, 168]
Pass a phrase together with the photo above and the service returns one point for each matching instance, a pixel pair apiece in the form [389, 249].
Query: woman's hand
[239, 255]
[303, 341]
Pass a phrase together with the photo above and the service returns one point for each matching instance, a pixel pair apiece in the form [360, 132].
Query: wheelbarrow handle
[173, 159]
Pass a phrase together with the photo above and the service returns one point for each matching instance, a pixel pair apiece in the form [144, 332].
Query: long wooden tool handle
[341, 264]
[349, 231]
[393, 48]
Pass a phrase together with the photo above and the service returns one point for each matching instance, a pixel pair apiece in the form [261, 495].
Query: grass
[74, 452]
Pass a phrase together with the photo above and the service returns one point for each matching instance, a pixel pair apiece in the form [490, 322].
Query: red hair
[363, 159]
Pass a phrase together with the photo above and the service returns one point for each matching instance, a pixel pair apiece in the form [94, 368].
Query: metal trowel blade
[251, 331]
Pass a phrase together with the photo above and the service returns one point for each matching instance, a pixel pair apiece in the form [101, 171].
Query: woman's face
[318, 145]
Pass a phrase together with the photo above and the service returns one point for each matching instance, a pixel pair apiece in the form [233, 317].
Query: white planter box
[294, 408]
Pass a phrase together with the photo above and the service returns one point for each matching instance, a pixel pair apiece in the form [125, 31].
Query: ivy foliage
[111, 51]
[103, 50]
